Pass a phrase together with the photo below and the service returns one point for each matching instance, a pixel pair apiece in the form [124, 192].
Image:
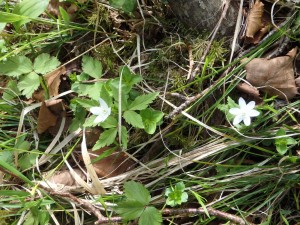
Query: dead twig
[188, 212]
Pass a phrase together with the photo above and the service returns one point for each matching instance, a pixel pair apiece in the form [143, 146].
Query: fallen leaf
[273, 76]
[113, 165]
[248, 89]
[63, 181]
[254, 20]
[53, 80]
[53, 8]
[46, 119]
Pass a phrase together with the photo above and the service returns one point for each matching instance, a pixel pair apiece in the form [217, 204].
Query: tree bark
[203, 15]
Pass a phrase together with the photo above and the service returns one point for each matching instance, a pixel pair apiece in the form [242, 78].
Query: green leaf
[64, 15]
[125, 5]
[12, 91]
[45, 63]
[150, 119]
[92, 67]
[90, 90]
[137, 192]
[143, 101]
[6, 156]
[176, 195]
[201, 201]
[133, 119]
[16, 66]
[28, 84]
[124, 137]
[283, 142]
[79, 118]
[14, 171]
[150, 216]
[110, 122]
[29, 8]
[106, 138]
[87, 103]
[128, 77]
[89, 122]
[27, 160]
[130, 209]
[6, 17]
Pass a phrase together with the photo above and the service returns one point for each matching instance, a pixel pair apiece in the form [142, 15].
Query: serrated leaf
[124, 137]
[106, 138]
[137, 192]
[28, 84]
[16, 66]
[29, 8]
[176, 195]
[142, 102]
[150, 216]
[130, 209]
[92, 67]
[45, 63]
[27, 160]
[133, 119]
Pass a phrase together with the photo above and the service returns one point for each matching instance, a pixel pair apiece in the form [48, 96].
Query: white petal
[247, 120]
[103, 103]
[235, 111]
[99, 119]
[95, 110]
[253, 113]
[242, 102]
[250, 105]
[237, 120]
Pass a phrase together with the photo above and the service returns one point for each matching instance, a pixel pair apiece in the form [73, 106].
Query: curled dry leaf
[53, 8]
[53, 80]
[113, 165]
[254, 20]
[250, 90]
[273, 76]
[63, 181]
[50, 114]
[46, 119]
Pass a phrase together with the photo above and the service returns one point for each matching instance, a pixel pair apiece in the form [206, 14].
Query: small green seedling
[176, 194]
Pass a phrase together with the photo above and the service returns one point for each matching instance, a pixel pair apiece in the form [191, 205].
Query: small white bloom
[102, 112]
[244, 113]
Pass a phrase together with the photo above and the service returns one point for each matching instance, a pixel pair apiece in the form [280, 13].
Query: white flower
[244, 113]
[102, 112]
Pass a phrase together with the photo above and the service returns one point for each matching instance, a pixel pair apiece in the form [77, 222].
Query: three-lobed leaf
[150, 119]
[176, 195]
[133, 119]
[142, 102]
[16, 66]
[45, 63]
[92, 67]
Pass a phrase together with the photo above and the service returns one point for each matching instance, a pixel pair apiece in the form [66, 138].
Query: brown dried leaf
[46, 119]
[53, 8]
[53, 80]
[64, 177]
[113, 165]
[254, 20]
[274, 76]
[250, 90]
